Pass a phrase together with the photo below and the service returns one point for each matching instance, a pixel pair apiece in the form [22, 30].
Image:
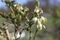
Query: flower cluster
[38, 19]
[19, 16]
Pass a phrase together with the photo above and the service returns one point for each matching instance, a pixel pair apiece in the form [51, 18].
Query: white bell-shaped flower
[17, 35]
[41, 11]
[43, 19]
[23, 34]
[39, 24]
[35, 19]
[15, 5]
[36, 10]
[44, 26]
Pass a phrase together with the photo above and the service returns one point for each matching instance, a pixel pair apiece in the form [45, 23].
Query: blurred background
[51, 10]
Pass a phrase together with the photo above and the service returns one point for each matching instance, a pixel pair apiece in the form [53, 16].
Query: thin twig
[15, 30]
[35, 34]
[7, 33]
[30, 35]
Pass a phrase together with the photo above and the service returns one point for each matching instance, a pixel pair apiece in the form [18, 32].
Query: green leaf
[2, 19]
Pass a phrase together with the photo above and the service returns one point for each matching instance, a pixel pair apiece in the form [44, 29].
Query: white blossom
[0, 36]
[39, 24]
[41, 11]
[23, 34]
[36, 10]
[35, 19]
[44, 26]
[43, 18]
[17, 35]
[15, 5]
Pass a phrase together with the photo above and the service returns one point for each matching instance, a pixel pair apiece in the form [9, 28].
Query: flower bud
[26, 9]
[18, 7]
[12, 15]
[19, 18]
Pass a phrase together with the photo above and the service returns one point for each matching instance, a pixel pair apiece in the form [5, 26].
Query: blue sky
[3, 5]
[22, 1]
[25, 1]
[17, 1]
